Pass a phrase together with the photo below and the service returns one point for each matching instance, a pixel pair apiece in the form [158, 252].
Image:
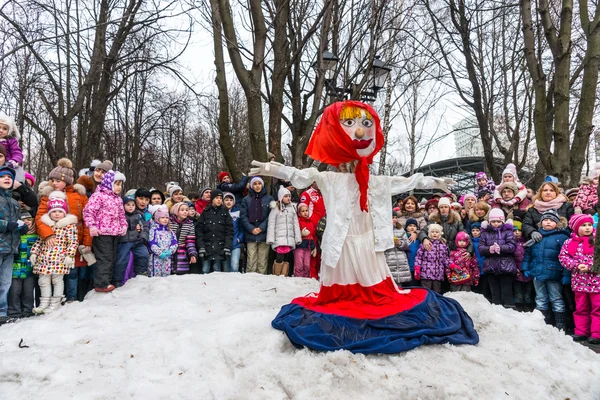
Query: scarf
[330, 144]
[543, 206]
[588, 248]
[255, 212]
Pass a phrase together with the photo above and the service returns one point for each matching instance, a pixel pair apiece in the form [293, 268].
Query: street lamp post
[379, 73]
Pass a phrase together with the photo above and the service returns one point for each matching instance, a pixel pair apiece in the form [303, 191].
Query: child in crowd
[483, 287]
[20, 295]
[133, 242]
[105, 217]
[577, 256]
[395, 257]
[162, 242]
[254, 214]
[9, 137]
[430, 265]
[483, 183]
[192, 214]
[52, 261]
[463, 271]
[307, 248]
[412, 233]
[238, 232]
[183, 227]
[523, 288]
[214, 234]
[497, 245]
[283, 231]
[587, 196]
[541, 263]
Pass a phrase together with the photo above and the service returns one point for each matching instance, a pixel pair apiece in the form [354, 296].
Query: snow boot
[593, 340]
[277, 267]
[55, 302]
[44, 303]
[520, 307]
[107, 289]
[546, 314]
[579, 338]
[560, 320]
[286, 269]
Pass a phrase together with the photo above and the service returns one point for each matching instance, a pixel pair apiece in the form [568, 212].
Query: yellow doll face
[360, 128]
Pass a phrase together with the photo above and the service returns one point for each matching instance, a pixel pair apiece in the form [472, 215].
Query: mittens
[13, 164]
[32, 259]
[94, 231]
[12, 226]
[165, 254]
[69, 262]
[417, 273]
[305, 232]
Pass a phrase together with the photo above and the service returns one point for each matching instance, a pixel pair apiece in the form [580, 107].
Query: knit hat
[25, 215]
[550, 214]
[109, 179]
[435, 227]
[127, 199]
[142, 192]
[174, 189]
[301, 206]
[216, 193]
[411, 221]
[480, 175]
[394, 213]
[572, 192]
[432, 202]
[255, 179]
[159, 211]
[469, 196]
[230, 195]
[517, 226]
[444, 201]
[176, 207]
[30, 177]
[579, 219]
[462, 236]
[57, 201]
[475, 225]
[510, 186]
[63, 172]
[282, 192]
[130, 192]
[12, 126]
[204, 189]
[105, 165]
[496, 215]
[223, 174]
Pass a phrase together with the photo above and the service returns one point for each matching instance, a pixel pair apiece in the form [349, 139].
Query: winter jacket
[308, 242]
[186, 244]
[494, 263]
[161, 240]
[13, 151]
[419, 216]
[9, 212]
[237, 189]
[396, 258]
[133, 220]
[490, 186]
[283, 228]
[587, 197]
[51, 259]
[451, 224]
[76, 199]
[587, 282]
[533, 216]
[434, 262]
[519, 255]
[238, 229]
[519, 197]
[22, 268]
[517, 210]
[214, 233]
[541, 260]
[104, 210]
[145, 217]
[200, 205]
[245, 212]
[413, 247]
[463, 262]
[170, 203]
[313, 198]
[478, 256]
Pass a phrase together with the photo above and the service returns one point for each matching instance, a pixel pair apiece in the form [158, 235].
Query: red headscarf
[330, 144]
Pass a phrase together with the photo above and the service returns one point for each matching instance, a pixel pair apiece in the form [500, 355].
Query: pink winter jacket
[104, 209]
[587, 197]
[587, 282]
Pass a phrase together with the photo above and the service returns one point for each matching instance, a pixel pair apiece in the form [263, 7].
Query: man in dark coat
[214, 234]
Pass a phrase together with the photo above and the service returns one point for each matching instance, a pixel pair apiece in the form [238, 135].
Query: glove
[201, 253]
[32, 259]
[94, 231]
[23, 229]
[305, 232]
[313, 252]
[418, 273]
[443, 184]
[269, 169]
[12, 226]
[566, 280]
[165, 254]
[227, 253]
[527, 274]
[69, 262]
[536, 236]
[13, 164]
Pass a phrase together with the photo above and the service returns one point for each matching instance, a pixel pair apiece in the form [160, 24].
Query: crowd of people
[520, 248]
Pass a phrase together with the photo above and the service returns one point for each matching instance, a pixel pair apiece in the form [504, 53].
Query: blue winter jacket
[9, 212]
[412, 253]
[237, 189]
[479, 257]
[238, 230]
[248, 226]
[541, 260]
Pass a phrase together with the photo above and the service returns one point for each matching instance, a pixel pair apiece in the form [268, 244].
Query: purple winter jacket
[503, 263]
[433, 263]
[13, 151]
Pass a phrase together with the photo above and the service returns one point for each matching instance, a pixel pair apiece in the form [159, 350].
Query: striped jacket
[186, 244]
[22, 268]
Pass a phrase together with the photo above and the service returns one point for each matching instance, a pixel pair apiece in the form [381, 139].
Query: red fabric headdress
[330, 144]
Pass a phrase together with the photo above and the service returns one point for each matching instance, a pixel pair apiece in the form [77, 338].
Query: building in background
[467, 140]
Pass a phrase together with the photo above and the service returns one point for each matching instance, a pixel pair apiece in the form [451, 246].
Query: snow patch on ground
[210, 337]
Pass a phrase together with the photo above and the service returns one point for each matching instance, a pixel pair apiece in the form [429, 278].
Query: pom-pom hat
[579, 219]
[63, 171]
[57, 201]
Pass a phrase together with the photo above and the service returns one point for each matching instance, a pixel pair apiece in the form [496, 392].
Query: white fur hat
[435, 227]
[282, 192]
[12, 126]
[444, 201]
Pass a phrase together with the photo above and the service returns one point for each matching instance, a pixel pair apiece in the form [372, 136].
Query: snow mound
[210, 337]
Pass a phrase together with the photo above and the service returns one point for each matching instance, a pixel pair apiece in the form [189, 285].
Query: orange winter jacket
[77, 201]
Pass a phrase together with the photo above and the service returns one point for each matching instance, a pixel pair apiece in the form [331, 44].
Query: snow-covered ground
[210, 337]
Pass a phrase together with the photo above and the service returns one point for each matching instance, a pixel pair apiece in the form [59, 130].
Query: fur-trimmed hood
[13, 131]
[453, 217]
[45, 188]
[69, 219]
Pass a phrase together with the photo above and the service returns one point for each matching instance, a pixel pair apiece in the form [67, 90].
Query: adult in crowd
[450, 222]
[509, 202]
[548, 197]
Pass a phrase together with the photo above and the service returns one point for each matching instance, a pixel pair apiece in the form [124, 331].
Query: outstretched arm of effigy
[300, 178]
[400, 184]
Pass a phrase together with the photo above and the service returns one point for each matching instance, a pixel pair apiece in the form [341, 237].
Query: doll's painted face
[435, 235]
[585, 229]
[4, 129]
[360, 128]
